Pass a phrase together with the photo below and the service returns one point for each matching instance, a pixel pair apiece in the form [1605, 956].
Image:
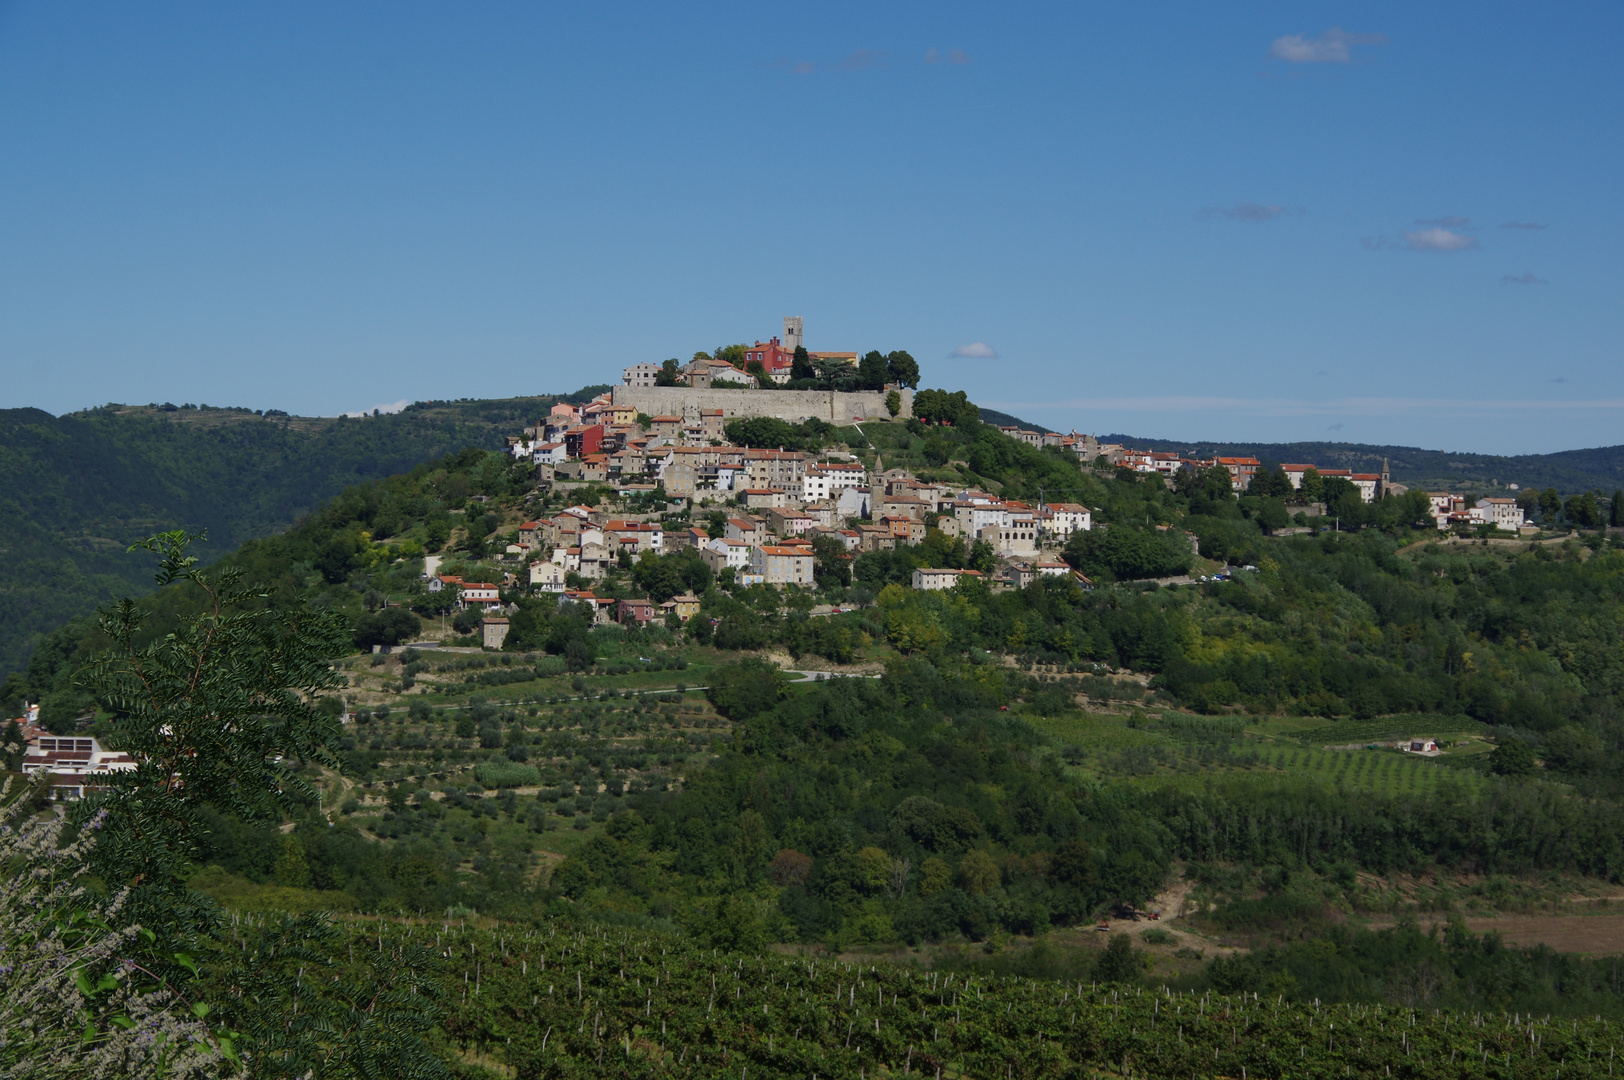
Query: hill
[76, 490]
[1596, 469]
[643, 809]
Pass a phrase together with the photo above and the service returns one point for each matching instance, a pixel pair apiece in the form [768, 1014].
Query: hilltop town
[684, 457]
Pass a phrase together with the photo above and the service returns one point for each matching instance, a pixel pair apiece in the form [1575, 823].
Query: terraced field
[1386, 771]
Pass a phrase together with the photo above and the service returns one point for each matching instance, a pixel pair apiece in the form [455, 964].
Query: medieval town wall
[832, 406]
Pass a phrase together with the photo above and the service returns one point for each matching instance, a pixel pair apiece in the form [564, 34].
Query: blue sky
[1259, 221]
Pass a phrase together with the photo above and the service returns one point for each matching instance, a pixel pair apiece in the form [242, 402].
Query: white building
[75, 762]
[854, 502]
[640, 375]
[825, 481]
[1060, 520]
[720, 554]
[1503, 513]
[552, 453]
[1367, 483]
[549, 576]
[481, 593]
[936, 578]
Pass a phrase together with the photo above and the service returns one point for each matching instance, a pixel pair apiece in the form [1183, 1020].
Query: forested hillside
[1003, 768]
[76, 490]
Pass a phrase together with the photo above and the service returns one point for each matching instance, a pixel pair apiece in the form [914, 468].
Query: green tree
[1550, 504]
[1313, 486]
[978, 873]
[1584, 511]
[391, 626]
[670, 373]
[292, 868]
[934, 876]
[831, 566]
[1615, 509]
[941, 407]
[731, 354]
[219, 713]
[834, 373]
[221, 716]
[903, 369]
[1119, 962]
[1121, 553]
[746, 689]
[1271, 482]
[893, 402]
[1512, 757]
[872, 372]
[338, 558]
[801, 367]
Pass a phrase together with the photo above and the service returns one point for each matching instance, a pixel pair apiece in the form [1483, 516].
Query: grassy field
[1311, 730]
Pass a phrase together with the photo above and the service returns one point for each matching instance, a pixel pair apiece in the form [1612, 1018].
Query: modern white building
[75, 763]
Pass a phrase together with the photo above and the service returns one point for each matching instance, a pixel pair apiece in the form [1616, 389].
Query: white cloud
[859, 59]
[976, 350]
[1527, 278]
[952, 56]
[1330, 47]
[1452, 221]
[1247, 211]
[1438, 238]
[392, 407]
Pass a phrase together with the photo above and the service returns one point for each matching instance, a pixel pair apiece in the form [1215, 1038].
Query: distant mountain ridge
[1598, 468]
[76, 490]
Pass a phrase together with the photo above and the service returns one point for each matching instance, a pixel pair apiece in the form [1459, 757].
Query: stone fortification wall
[792, 405]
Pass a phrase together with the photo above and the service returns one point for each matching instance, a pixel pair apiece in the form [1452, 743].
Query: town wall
[832, 406]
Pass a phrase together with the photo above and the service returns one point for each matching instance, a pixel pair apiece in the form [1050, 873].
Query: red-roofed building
[479, 594]
[773, 357]
[638, 611]
[1240, 469]
[581, 441]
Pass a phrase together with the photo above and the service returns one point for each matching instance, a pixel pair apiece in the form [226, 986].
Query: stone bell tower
[792, 333]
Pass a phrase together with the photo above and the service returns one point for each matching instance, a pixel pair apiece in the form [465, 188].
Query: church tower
[792, 333]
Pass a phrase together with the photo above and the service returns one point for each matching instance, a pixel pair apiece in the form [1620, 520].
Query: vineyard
[1388, 773]
[569, 1000]
[1185, 750]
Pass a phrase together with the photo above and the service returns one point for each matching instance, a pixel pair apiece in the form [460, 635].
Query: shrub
[506, 774]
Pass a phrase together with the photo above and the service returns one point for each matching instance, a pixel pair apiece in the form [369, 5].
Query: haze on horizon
[1289, 222]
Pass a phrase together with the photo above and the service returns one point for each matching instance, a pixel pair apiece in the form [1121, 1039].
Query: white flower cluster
[72, 1001]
